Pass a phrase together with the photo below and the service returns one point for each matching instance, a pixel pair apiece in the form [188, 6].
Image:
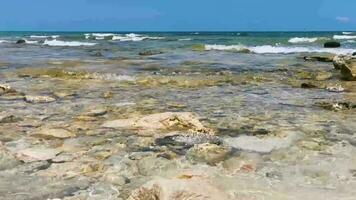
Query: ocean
[234, 115]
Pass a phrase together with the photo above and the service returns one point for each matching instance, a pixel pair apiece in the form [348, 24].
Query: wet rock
[336, 88]
[63, 94]
[9, 118]
[180, 142]
[332, 44]
[39, 99]
[4, 89]
[21, 41]
[322, 76]
[36, 154]
[319, 58]
[347, 66]
[96, 112]
[178, 189]
[116, 179]
[150, 125]
[308, 85]
[7, 161]
[208, 153]
[52, 133]
[262, 145]
[336, 106]
[150, 52]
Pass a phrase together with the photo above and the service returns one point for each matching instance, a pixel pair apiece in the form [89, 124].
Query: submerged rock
[150, 124]
[37, 154]
[261, 145]
[319, 58]
[208, 153]
[336, 106]
[332, 44]
[184, 187]
[150, 52]
[53, 133]
[187, 140]
[39, 99]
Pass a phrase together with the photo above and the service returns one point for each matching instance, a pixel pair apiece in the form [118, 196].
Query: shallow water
[282, 143]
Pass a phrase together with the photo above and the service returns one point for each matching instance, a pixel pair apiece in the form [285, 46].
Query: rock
[185, 187]
[96, 112]
[9, 118]
[319, 58]
[36, 154]
[7, 161]
[63, 94]
[337, 106]
[261, 145]
[150, 52]
[336, 88]
[21, 41]
[150, 125]
[4, 89]
[116, 179]
[308, 85]
[180, 142]
[322, 76]
[39, 99]
[208, 153]
[354, 54]
[347, 66]
[53, 133]
[332, 44]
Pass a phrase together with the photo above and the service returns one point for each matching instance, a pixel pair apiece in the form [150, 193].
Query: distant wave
[268, 49]
[185, 39]
[302, 40]
[120, 37]
[44, 36]
[67, 43]
[31, 42]
[347, 33]
[344, 37]
[134, 37]
[4, 41]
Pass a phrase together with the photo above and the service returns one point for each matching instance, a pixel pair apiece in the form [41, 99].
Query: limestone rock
[347, 66]
[208, 153]
[36, 154]
[39, 99]
[178, 189]
[150, 124]
[50, 133]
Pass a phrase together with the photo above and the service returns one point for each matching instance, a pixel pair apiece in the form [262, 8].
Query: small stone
[39, 99]
[9, 119]
[36, 154]
[96, 112]
[117, 179]
[63, 94]
[53, 133]
[150, 52]
[208, 153]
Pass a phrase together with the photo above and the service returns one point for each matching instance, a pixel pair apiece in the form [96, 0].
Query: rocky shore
[69, 132]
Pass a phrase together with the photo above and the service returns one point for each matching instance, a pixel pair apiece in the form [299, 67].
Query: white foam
[134, 37]
[67, 43]
[347, 33]
[31, 42]
[4, 41]
[344, 37]
[185, 39]
[268, 49]
[302, 40]
[44, 36]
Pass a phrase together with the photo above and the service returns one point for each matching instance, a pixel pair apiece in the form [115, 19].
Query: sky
[177, 15]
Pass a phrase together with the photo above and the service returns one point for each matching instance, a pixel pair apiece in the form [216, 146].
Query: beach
[177, 115]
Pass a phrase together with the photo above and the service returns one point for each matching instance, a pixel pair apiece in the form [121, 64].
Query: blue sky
[177, 15]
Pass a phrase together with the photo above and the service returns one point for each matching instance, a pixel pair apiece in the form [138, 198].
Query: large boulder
[347, 67]
[21, 41]
[332, 44]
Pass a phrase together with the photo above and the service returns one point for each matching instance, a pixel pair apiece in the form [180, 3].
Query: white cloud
[343, 20]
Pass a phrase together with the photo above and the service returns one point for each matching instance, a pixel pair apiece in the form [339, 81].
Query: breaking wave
[302, 40]
[268, 49]
[67, 43]
[344, 37]
[44, 36]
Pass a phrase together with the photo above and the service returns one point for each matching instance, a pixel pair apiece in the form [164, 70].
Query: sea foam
[67, 43]
[344, 37]
[268, 49]
[302, 40]
[44, 36]
[134, 37]
[347, 33]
